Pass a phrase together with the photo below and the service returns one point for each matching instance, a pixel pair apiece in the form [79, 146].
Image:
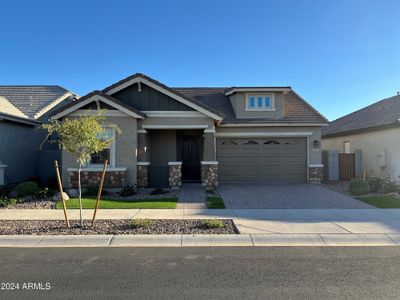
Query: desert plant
[28, 188]
[81, 137]
[158, 191]
[212, 223]
[127, 190]
[359, 186]
[4, 202]
[141, 223]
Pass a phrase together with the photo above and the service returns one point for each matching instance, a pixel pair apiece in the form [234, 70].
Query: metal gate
[346, 166]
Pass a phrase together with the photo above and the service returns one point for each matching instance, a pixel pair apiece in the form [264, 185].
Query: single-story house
[22, 110]
[227, 135]
[374, 130]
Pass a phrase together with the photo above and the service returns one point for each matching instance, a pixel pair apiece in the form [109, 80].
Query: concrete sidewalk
[245, 240]
[257, 227]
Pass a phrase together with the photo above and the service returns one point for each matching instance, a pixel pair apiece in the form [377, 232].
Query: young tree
[81, 137]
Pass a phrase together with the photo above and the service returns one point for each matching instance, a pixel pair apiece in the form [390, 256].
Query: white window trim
[255, 95]
[112, 152]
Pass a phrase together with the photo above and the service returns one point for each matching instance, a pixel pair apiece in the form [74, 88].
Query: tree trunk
[80, 195]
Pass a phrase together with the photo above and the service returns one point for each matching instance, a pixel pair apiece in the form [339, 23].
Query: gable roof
[173, 93]
[380, 114]
[93, 96]
[34, 101]
[296, 109]
[215, 102]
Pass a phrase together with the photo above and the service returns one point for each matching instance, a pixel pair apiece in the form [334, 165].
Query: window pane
[259, 102]
[99, 158]
[251, 102]
[267, 102]
[106, 134]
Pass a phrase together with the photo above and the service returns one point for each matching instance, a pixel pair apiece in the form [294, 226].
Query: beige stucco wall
[314, 153]
[238, 101]
[125, 149]
[371, 144]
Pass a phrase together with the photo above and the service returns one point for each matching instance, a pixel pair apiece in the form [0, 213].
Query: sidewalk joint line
[251, 238]
[322, 239]
[341, 227]
[391, 239]
[109, 243]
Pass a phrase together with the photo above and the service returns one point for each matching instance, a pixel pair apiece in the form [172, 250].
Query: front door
[190, 154]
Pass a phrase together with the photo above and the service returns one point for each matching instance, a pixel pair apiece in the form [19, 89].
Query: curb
[201, 240]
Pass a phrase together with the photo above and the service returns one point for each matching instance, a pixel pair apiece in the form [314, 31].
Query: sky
[339, 55]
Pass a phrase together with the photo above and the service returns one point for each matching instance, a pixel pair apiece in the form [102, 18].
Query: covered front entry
[174, 149]
[262, 160]
[189, 147]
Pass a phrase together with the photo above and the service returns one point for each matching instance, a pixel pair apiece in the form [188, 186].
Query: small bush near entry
[213, 223]
[127, 190]
[141, 223]
[28, 188]
[158, 191]
[90, 191]
[359, 186]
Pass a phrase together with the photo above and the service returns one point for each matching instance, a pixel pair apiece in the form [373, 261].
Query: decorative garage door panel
[266, 160]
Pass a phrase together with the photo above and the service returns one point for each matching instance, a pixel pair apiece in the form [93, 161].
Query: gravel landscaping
[114, 227]
[45, 204]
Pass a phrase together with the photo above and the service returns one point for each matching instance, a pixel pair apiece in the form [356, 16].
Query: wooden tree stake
[99, 192]
[61, 193]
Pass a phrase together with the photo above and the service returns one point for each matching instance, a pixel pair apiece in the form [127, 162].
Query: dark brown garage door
[266, 160]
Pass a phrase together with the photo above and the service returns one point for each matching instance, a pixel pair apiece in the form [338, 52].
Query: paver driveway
[286, 196]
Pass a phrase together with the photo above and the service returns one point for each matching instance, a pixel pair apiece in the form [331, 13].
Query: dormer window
[260, 102]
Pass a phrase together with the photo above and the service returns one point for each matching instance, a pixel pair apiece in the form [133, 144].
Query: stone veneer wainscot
[316, 173]
[115, 177]
[175, 174]
[209, 175]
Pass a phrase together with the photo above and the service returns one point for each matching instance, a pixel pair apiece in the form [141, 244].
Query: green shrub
[127, 190]
[90, 191]
[7, 201]
[141, 223]
[389, 187]
[29, 188]
[375, 184]
[359, 186]
[158, 191]
[212, 223]
[5, 190]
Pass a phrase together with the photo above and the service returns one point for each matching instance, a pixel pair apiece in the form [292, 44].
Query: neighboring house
[22, 110]
[375, 130]
[226, 135]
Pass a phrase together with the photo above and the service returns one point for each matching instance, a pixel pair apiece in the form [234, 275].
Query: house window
[346, 147]
[98, 159]
[257, 102]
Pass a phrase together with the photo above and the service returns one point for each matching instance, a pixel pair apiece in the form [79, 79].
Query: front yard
[381, 201]
[121, 203]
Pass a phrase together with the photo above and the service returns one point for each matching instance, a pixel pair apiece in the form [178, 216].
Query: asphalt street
[201, 273]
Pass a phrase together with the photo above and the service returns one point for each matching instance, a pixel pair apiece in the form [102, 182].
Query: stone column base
[175, 174]
[143, 175]
[315, 174]
[209, 175]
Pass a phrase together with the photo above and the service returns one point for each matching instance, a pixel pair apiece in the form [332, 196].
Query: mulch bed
[113, 227]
